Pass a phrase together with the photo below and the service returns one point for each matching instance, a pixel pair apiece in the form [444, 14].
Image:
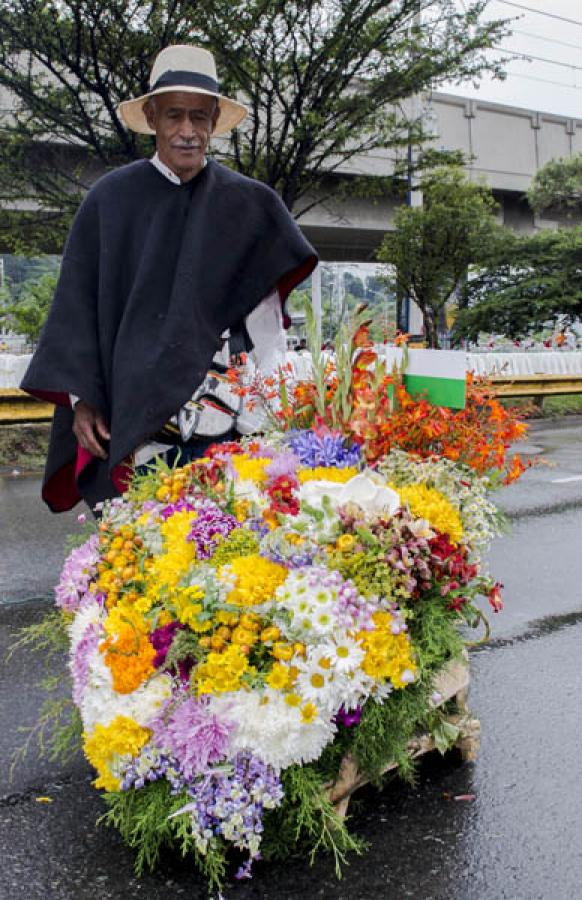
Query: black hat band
[175, 78]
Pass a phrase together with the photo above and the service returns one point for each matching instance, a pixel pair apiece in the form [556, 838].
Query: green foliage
[321, 80]
[557, 186]
[386, 729]
[57, 732]
[142, 818]
[443, 732]
[307, 821]
[524, 284]
[433, 245]
[434, 633]
[48, 637]
[27, 315]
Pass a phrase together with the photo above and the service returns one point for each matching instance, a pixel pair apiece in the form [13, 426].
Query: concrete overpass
[507, 146]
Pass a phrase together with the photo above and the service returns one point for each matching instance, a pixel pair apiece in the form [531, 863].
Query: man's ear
[149, 110]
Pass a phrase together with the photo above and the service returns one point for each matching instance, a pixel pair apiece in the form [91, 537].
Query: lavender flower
[229, 803]
[275, 546]
[78, 571]
[151, 765]
[324, 449]
[190, 733]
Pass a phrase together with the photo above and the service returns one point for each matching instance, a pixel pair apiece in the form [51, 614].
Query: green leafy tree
[27, 315]
[433, 245]
[557, 187]
[527, 283]
[324, 81]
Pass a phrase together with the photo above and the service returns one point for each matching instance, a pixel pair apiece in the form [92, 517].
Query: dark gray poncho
[152, 274]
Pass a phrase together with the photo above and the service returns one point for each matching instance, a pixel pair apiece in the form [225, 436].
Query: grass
[24, 446]
[546, 407]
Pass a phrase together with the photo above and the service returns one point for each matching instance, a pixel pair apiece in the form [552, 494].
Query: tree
[557, 186]
[27, 315]
[324, 81]
[527, 283]
[432, 246]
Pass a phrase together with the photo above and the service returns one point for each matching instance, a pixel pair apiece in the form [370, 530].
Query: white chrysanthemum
[309, 602]
[90, 613]
[316, 686]
[271, 729]
[355, 687]
[101, 704]
[344, 653]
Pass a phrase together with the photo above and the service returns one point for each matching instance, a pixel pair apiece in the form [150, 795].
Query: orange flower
[129, 656]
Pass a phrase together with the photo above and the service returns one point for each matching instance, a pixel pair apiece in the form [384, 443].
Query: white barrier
[12, 368]
[509, 364]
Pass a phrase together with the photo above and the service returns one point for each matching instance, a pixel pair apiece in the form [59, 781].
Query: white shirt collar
[163, 168]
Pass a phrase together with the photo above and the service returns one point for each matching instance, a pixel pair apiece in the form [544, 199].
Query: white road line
[566, 480]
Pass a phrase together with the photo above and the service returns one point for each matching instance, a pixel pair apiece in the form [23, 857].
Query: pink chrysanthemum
[78, 571]
[194, 736]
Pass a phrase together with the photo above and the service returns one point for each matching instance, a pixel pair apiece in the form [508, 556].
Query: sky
[552, 80]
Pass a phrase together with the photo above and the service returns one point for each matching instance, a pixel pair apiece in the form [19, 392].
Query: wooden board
[453, 682]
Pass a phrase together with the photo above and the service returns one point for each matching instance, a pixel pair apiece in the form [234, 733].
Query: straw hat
[182, 67]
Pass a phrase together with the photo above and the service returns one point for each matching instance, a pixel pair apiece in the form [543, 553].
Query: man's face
[183, 124]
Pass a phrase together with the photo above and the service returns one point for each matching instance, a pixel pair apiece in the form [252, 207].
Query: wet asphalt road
[519, 838]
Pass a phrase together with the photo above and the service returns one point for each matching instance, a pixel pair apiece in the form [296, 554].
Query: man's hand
[90, 429]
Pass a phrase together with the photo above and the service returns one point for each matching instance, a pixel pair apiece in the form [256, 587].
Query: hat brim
[231, 113]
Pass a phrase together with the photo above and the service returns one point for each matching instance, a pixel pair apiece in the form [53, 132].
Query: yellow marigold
[428, 503]
[249, 469]
[388, 656]
[278, 677]
[326, 473]
[221, 672]
[124, 616]
[254, 579]
[109, 745]
[188, 609]
[168, 568]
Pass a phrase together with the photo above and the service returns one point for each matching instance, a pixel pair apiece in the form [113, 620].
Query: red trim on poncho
[61, 492]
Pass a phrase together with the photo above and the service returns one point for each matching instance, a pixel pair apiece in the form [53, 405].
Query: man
[166, 260]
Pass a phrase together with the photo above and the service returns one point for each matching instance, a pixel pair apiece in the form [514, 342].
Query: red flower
[456, 603]
[495, 598]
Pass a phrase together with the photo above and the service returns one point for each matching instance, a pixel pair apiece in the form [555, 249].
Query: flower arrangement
[240, 627]
[241, 623]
